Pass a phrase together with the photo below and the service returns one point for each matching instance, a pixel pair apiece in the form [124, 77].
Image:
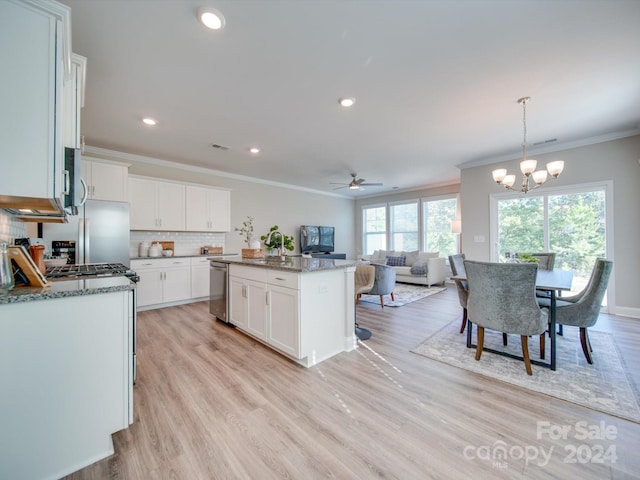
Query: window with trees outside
[570, 222]
[374, 228]
[412, 225]
[436, 223]
[404, 226]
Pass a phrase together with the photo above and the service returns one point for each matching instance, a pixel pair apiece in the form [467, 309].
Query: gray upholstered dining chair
[582, 310]
[546, 261]
[384, 283]
[456, 262]
[502, 298]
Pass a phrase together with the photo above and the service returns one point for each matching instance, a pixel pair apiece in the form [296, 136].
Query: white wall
[615, 160]
[268, 204]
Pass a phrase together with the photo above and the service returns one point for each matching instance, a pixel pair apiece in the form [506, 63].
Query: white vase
[254, 244]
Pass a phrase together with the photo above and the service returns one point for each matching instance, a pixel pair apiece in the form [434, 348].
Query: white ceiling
[435, 82]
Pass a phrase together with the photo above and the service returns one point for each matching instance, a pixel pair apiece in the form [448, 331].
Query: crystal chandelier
[527, 166]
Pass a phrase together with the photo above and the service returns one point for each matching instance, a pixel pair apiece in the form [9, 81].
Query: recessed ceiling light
[211, 18]
[346, 101]
[149, 121]
[254, 150]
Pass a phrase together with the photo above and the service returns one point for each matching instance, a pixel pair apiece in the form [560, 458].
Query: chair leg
[584, 340]
[480, 342]
[525, 353]
[382, 301]
[542, 345]
[393, 297]
[504, 339]
[464, 320]
[358, 298]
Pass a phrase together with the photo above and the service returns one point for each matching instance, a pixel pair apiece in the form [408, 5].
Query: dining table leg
[552, 330]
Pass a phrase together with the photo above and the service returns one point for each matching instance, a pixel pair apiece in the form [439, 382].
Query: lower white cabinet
[66, 371]
[200, 267]
[163, 280]
[265, 304]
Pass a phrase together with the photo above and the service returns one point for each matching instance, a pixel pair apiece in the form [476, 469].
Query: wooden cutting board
[25, 263]
[167, 245]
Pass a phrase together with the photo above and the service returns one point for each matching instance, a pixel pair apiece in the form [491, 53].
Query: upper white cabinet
[73, 102]
[208, 209]
[35, 51]
[156, 205]
[105, 180]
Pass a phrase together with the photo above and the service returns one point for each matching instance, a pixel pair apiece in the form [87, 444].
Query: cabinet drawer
[159, 263]
[284, 279]
[199, 261]
[250, 273]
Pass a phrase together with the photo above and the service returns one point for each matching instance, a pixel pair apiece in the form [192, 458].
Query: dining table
[552, 281]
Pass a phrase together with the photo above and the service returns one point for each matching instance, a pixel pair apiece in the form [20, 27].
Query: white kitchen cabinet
[163, 281]
[73, 102]
[200, 267]
[208, 209]
[238, 303]
[265, 304]
[283, 328]
[67, 373]
[156, 205]
[35, 57]
[105, 180]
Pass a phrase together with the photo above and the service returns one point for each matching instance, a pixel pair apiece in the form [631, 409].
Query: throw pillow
[396, 261]
[419, 267]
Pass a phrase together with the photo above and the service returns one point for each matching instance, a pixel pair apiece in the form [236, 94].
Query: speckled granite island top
[291, 264]
[67, 288]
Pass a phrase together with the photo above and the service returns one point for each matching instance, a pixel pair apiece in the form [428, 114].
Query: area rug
[404, 293]
[603, 386]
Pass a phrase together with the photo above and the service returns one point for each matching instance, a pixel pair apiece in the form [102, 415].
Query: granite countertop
[292, 263]
[67, 288]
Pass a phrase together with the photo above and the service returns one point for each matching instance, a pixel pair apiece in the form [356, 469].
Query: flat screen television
[317, 239]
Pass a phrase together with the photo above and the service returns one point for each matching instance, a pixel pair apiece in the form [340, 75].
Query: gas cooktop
[101, 269]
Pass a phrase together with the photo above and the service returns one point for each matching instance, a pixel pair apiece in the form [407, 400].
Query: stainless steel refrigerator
[100, 230]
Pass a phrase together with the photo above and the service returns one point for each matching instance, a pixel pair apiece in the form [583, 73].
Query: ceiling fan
[356, 183]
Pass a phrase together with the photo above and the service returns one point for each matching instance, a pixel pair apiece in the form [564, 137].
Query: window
[411, 225]
[437, 215]
[404, 226]
[374, 228]
[572, 222]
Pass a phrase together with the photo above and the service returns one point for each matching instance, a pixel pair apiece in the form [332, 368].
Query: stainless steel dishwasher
[218, 290]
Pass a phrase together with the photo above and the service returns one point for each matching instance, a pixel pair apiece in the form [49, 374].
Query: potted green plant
[527, 258]
[275, 240]
[246, 230]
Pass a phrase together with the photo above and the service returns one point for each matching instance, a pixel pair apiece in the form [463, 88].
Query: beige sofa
[422, 268]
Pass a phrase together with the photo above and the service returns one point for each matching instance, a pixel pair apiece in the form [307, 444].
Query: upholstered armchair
[502, 298]
[385, 282]
[456, 262]
[582, 310]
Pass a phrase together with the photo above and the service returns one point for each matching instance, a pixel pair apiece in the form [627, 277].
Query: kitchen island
[66, 368]
[301, 307]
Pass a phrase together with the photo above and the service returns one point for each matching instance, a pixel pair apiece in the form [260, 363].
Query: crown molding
[117, 156]
[557, 147]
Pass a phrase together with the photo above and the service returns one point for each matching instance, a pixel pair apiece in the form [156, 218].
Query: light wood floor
[211, 403]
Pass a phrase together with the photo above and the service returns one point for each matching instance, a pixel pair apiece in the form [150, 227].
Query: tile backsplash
[186, 243]
[11, 228]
